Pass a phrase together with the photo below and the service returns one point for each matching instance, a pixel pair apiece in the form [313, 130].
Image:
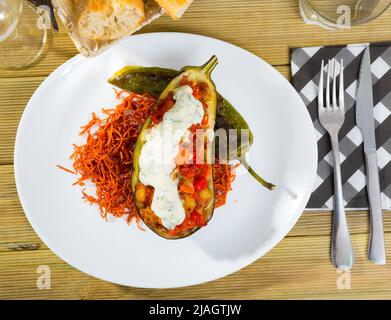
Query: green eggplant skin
[198, 74]
[151, 80]
[154, 80]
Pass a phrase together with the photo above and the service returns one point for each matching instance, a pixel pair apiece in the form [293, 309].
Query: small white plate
[252, 222]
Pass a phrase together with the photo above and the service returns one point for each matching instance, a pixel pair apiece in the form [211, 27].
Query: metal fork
[331, 117]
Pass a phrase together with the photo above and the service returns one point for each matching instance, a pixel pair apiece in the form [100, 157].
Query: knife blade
[366, 122]
[364, 103]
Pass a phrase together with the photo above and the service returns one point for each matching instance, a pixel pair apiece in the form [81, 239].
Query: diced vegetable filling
[191, 178]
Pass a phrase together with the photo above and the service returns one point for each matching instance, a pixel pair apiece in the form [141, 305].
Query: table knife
[366, 122]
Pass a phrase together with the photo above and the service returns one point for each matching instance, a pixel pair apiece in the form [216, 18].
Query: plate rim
[75, 59]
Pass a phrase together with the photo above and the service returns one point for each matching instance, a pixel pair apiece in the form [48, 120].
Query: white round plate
[252, 222]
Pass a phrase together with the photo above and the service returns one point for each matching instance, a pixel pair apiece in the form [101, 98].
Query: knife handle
[377, 251]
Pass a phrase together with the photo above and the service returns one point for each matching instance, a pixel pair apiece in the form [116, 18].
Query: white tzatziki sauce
[157, 157]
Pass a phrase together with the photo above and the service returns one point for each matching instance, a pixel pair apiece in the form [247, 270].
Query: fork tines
[331, 104]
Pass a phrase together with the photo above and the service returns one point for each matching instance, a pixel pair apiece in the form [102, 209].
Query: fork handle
[341, 247]
[377, 251]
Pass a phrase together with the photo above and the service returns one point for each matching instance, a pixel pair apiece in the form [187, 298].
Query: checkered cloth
[305, 64]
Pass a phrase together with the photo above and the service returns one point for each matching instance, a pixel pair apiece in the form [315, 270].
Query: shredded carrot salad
[223, 176]
[106, 159]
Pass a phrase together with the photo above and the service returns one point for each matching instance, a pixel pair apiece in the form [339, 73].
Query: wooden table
[298, 267]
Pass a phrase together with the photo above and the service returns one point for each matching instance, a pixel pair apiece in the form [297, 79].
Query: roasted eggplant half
[154, 80]
[172, 178]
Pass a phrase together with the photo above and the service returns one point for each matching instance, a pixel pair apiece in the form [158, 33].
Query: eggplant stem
[208, 67]
[256, 176]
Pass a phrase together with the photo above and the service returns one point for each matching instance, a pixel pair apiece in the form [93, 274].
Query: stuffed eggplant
[172, 183]
[153, 80]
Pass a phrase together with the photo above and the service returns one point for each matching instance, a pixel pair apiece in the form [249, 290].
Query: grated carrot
[107, 156]
[66, 169]
[223, 176]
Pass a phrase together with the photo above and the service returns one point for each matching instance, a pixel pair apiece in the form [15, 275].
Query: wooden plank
[59, 49]
[14, 95]
[299, 267]
[265, 28]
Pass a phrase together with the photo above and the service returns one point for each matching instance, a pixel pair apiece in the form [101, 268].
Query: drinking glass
[22, 33]
[341, 14]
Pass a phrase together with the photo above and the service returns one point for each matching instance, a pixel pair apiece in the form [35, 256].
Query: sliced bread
[110, 19]
[174, 8]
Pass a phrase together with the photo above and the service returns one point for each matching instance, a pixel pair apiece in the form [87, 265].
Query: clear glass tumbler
[341, 14]
[22, 33]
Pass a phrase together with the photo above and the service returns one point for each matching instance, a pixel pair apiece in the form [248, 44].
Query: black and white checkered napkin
[305, 64]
